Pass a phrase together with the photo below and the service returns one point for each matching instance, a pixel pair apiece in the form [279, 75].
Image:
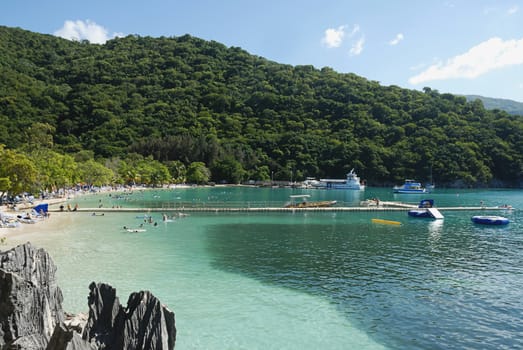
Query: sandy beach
[23, 232]
[57, 220]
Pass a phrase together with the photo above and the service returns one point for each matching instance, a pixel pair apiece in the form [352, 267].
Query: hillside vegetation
[509, 106]
[186, 100]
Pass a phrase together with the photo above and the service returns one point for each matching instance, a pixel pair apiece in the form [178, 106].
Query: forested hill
[183, 98]
[510, 106]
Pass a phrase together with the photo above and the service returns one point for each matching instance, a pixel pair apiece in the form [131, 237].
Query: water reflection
[435, 228]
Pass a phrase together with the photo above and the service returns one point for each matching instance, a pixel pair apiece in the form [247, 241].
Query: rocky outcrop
[66, 339]
[30, 300]
[31, 315]
[144, 324]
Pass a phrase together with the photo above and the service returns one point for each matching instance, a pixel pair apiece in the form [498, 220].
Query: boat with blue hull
[489, 220]
[410, 186]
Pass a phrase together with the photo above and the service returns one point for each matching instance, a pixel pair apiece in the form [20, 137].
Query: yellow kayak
[386, 222]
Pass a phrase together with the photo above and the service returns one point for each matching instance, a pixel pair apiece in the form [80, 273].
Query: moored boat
[351, 182]
[490, 220]
[301, 201]
[410, 186]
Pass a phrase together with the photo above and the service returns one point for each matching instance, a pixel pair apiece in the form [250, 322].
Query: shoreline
[23, 232]
[44, 225]
[12, 236]
[56, 220]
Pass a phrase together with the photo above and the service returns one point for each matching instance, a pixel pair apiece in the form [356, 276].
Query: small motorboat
[410, 186]
[490, 220]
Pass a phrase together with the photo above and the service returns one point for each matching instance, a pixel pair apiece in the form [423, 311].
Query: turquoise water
[306, 280]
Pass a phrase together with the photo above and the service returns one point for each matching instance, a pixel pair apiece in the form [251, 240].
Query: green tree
[17, 171]
[228, 170]
[261, 173]
[5, 185]
[177, 170]
[93, 173]
[157, 174]
[198, 173]
[55, 170]
[40, 135]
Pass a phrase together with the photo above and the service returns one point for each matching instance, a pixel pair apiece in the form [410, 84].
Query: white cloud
[334, 37]
[396, 40]
[354, 30]
[480, 59]
[85, 30]
[357, 47]
[513, 10]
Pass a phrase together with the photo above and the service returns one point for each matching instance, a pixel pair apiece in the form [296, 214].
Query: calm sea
[309, 280]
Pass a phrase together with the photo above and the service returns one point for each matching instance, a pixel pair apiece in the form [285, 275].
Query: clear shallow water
[307, 280]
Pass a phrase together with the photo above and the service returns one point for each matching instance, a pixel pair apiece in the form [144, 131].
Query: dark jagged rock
[30, 300]
[66, 339]
[76, 322]
[144, 324]
[104, 307]
[31, 314]
[152, 323]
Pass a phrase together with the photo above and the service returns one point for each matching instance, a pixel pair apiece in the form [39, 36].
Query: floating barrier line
[268, 209]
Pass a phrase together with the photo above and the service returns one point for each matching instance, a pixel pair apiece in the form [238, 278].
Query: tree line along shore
[181, 109]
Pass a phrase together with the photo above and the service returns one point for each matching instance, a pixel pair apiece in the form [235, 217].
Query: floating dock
[209, 208]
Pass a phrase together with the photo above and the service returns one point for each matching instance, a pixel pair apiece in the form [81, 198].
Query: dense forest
[181, 101]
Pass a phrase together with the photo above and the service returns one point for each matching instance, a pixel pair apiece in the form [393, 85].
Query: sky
[469, 47]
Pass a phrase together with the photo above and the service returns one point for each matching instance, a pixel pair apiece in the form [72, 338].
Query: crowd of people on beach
[11, 220]
[22, 212]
